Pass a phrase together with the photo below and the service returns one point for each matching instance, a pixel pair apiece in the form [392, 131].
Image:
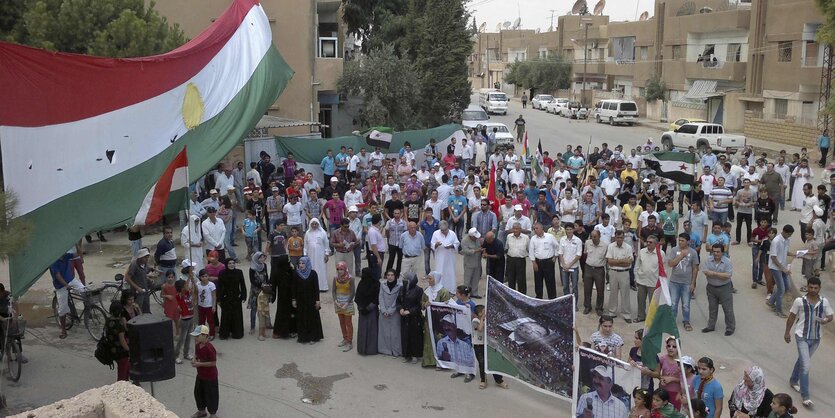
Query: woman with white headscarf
[317, 247]
[191, 239]
[750, 397]
[434, 292]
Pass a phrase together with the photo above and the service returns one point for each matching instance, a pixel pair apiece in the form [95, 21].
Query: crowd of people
[597, 219]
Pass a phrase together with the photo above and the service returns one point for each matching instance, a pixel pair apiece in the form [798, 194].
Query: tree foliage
[826, 36]
[656, 89]
[389, 86]
[542, 75]
[434, 37]
[112, 28]
[14, 232]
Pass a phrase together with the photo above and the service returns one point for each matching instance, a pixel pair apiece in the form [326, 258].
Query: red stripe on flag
[46, 88]
[491, 192]
[661, 272]
[163, 188]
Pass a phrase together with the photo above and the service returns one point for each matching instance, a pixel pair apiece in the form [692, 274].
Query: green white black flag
[676, 166]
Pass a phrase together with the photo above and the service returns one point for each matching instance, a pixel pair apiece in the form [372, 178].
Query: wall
[779, 131]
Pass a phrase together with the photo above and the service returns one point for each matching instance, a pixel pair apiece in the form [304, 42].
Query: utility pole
[487, 52]
[586, 22]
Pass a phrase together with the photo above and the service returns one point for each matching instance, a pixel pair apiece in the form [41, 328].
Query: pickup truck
[701, 136]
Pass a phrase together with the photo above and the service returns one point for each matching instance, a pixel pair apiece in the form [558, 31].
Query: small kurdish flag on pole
[525, 145]
[173, 180]
[660, 319]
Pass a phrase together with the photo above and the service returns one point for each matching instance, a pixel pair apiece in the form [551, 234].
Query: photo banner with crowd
[529, 339]
[451, 331]
[603, 385]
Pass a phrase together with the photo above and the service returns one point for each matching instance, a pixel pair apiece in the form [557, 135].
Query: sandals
[482, 385]
[200, 414]
[503, 385]
[688, 327]
[63, 335]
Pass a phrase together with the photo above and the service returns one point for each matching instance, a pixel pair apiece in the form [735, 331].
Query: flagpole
[684, 378]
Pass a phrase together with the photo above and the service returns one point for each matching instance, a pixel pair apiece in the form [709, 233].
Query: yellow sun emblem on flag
[192, 107]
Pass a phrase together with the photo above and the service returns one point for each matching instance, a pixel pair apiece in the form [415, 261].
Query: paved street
[265, 378]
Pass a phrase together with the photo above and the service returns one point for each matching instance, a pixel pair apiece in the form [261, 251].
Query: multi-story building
[750, 64]
[310, 36]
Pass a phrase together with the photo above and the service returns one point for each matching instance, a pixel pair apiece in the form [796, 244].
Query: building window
[734, 52]
[811, 53]
[514, 55]
[624, 49]
[781, 108]
[644, 53]
[543, 53]
[493, 54]
[678, 52]
[784, 51]
[328, 47]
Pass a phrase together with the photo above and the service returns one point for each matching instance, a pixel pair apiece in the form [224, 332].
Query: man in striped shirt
[720, 198]
[809, 312]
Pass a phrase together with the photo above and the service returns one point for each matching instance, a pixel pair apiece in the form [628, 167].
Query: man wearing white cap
[600, 403]
[137, 279]
[213, 201]
[451, 348]
[471, 249]
[542, 251]
[523, 221]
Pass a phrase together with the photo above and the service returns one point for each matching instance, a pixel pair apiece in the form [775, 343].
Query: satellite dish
[506, 25]
[482, 27]
[517, 23]
[644, 16]
[705, 10]
[498, 27]
[538, 30]
[598, 9]
[578, 7]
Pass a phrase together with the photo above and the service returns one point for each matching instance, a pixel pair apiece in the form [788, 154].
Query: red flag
[173, 179]
[491, 192]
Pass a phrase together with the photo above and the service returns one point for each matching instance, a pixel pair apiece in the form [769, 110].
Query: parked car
[677, 124]
[555, 105]
[493, 101]
[503, 135]
[570, 109]
[616, 111]
[701, 136]
[540, 100]
[473, 116]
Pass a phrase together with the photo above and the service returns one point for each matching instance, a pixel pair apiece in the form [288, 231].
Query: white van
[474, 116]
[616, 111]
[493, 101]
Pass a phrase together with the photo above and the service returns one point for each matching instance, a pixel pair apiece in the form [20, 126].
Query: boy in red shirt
[205, 384]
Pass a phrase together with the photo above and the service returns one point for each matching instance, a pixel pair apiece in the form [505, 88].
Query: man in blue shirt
[709, 159]
[328, 165]
[63, 278]
[428, 225]
[457, 205]
[341, 161]
[823, 144]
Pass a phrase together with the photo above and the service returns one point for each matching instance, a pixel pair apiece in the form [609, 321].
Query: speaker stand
[152, 390]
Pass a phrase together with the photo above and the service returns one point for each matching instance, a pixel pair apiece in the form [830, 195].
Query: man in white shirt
[606, 229]
[495, 159]
[523, 221]
[594, 274]
[224, 180]
[568, 208]
[444, 191]
[619, 258]
[253, 174]
[610, 185]
[561, 175]
[353, 197]
[294, 211]
[516, 246]
[466, 154]
[784, 171]
[517, 175]
[389, 188]
[542, 251]
[613, 211]
[409, 154]
[213, 233]
[423, 175]
[570, 250]
[435, 204]
[635, 160]
[353, 165]
[755, 179]
[376, 159]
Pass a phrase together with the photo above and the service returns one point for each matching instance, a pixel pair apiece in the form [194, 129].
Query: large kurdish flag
[660, 319]
[84, 138]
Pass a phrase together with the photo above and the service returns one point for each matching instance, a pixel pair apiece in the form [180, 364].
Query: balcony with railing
[329, 62]
[715, 70]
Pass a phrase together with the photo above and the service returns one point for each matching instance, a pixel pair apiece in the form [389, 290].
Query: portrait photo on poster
[451, 331]
[603, 385]
[529, 339]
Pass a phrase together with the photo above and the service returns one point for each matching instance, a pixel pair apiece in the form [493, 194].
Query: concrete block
[119, 400]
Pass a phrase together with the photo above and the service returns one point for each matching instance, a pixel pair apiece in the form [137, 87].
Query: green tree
[112, 28]
[656, 89]
[388, 85]
[14, 232]
[377, 22]
[546, 75]
[826, 36]
[441, 62]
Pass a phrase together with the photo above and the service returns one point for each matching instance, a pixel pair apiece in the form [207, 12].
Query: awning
[268, 121]
[703, 89]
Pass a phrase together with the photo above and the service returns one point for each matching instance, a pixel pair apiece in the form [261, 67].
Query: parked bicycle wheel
[14, 364]
[68, 323]
[108, 295]
[157, 296]
[94, 319]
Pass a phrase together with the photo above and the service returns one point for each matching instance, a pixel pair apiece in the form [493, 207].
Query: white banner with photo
[451, 331]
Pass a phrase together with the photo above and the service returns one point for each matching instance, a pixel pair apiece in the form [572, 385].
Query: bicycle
[112, 291]
[93, 316]
[12, 352]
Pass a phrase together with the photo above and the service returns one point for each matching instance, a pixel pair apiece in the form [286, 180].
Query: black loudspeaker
[151, 343]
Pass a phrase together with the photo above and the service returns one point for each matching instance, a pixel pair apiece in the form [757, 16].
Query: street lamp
[585, 22]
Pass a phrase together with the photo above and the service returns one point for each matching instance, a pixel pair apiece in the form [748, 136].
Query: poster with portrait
[603, 385]
[529, 339]
[451, 332]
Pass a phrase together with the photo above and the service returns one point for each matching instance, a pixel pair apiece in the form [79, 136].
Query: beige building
[310, 36]
[748, 64]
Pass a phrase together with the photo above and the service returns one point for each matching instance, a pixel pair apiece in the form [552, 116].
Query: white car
[503, 135]
[540, 100]
[616, 111]
[701, 136]
[474, 116]
[555, 105]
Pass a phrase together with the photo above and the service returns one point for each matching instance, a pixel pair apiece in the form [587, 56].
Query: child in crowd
[478, 346]
[264, 298]
[169, 303]
[206, 302]
[765, 252]
[295, 246]
[206, 394]
[185, 308]
[250, 229]
[810, 259]
[758, 237]
[462, 297]
[635, 359]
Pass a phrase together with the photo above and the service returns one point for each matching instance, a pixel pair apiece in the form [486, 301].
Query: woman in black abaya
[285, 314]
[306, 302]
[411, 328]
[230, 296]
[367, 298]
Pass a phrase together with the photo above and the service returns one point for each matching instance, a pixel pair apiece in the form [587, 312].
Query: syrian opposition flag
[174, 181]
[660, 319]
[93, 135]
[676, 166]
[536, 162]
[380, 136]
